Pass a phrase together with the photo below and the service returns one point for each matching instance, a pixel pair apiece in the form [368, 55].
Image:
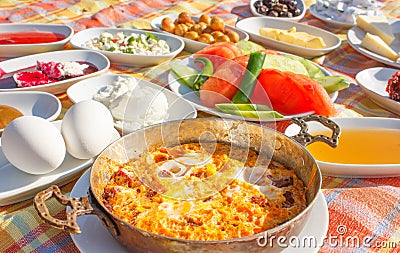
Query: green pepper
[248, 83]
[208, 70]
[242, 107]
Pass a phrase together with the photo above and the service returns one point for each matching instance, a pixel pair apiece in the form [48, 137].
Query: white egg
[87, 129]
[33, 145]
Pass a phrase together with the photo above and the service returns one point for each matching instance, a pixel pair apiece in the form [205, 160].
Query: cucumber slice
[333, 83]
[312, 69]
[185, 74]
[284, 63]
[255, 114]
[248, 47]
[243, 107]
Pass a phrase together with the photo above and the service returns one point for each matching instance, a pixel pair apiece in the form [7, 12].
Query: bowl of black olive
[286, 9]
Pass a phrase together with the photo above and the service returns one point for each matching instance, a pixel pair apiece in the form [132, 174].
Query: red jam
[29, 37]
[393, 86]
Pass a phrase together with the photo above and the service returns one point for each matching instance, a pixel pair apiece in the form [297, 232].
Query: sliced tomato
[219, 52]
[292, 93]
[222, 86]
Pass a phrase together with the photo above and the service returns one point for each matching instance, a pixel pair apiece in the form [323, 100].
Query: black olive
[297, 12]
[273, 14]
[258, 4]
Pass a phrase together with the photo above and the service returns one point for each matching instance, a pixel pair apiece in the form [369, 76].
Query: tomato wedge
[292, 93]
[219, 52]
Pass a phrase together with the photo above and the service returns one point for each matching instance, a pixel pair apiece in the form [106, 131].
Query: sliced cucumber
[312, 69]
[248, 47]
[185, 75]
[333, 83]
[284, 63]
[255, 114]
[243, 107]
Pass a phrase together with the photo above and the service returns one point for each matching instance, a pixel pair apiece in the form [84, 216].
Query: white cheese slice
[377, 45]
[376, 25]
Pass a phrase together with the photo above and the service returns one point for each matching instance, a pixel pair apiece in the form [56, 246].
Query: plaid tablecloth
[364, 208]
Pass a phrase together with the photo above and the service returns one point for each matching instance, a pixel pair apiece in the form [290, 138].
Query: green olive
[223, 38]
[217, 24]
[167, 25]
[205, 19]
[206, 38]
[192, 35]
[181, 29]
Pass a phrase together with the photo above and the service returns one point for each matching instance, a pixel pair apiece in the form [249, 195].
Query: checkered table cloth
[366, 208]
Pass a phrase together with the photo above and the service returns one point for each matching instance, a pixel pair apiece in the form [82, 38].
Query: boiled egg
[33, 145]
[87, 128]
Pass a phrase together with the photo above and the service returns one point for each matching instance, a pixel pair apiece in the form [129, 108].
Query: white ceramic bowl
[33, 103]
[253, 24]
[191, 45]
[300, 5]
[14, 50]
[373, 82]
[25, 63]
[355, 170]
[176, 46]
[178, 108]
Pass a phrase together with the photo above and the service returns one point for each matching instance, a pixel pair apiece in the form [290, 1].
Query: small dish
[178, 108]
[33, 103]
[373, 82]
[253, 24]
[300, 5]
[176, 45]
[16, 50]
[16, 185]
[328, 20]
[189, 95]
[191, 45]
[26, 63]
[94, 230]
[355, 36]
[374, 124]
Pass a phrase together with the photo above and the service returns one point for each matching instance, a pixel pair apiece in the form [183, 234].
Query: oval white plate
[328, 20]
[33, 103]
[178, 108]
[16, 185]
[355, 35]
[93, 229]
[24, 62]
[191, 45]
[355, 170]
[13, 50]
[373, 82]
[300, 5]
[253, 24]
[190, 96]
[176, 46]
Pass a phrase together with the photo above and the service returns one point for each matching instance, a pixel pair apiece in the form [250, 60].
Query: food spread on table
[234, 77]
[133, 43]
[207, 30]
[243, 208]
[293, 37]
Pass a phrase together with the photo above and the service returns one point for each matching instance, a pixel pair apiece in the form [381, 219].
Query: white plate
[191, 45]
[14, 50]
[176, 45]
[355, 170]
[328, 20]
[253, 24]
[18, 64]
[300, 5]
[94, 231]
[355, 35]
[33, 103]
[16, 185]
[190, 96]
[373, 82]
[178, 108]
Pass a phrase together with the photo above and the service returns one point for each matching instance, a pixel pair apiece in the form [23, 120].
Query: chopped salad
[139, 44]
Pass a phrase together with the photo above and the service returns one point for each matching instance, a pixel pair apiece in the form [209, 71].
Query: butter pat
[293, 37]
[376, 25]
[375, 44]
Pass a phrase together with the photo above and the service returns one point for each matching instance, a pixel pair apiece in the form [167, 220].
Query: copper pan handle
[304, 138]
[79, 206]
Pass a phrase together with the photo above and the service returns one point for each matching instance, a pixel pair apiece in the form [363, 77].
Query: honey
[360, 146]
[7, 114]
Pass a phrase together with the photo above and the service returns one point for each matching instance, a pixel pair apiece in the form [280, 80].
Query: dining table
[364, 208]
